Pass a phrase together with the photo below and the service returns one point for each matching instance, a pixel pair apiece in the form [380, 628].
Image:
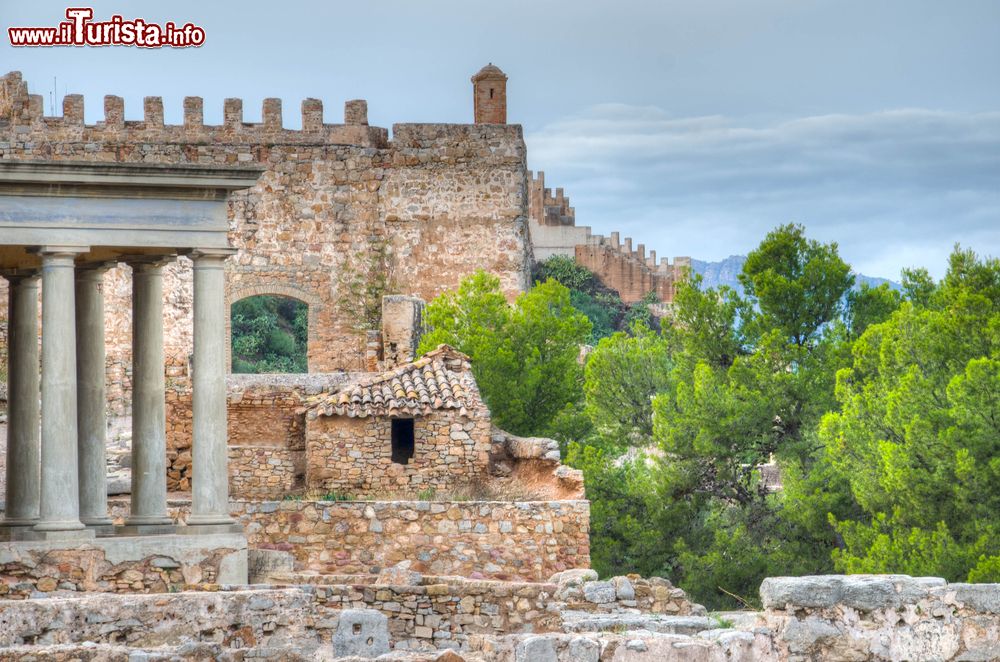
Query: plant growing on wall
[363, 281]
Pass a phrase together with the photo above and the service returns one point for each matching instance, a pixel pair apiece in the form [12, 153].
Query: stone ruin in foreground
[367, 509]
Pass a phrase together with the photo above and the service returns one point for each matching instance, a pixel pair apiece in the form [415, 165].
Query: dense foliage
[269, 334]
[879, 409]
[524, 356]
[602, 306]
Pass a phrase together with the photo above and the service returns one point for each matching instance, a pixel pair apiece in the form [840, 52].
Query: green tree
[753, 377]
[917, 434]
[524, 357]
[622, 375]
[798, 283]
[269, 335]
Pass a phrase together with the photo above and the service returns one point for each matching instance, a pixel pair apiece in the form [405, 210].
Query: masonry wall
[266, 432]
[446, 199]
[354, 455]
[522, 541]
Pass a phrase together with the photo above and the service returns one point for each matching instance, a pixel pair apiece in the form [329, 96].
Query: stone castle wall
[445, 200]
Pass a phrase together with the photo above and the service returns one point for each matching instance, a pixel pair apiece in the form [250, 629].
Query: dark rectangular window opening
[402, 440]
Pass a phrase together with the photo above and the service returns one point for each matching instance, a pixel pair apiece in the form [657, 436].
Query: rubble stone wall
[881, 617]
[266, 432]
[354, 455]
[524, 541]
[527, 541]
[264, 472]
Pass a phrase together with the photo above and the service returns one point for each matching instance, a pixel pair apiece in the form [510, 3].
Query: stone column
[149, 443]
[210, 458]
[91, 397]
[59, 507]
[23, 443]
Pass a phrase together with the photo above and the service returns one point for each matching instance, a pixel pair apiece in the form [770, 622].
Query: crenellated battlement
[551, 209]
[24, 113]
[629, 270]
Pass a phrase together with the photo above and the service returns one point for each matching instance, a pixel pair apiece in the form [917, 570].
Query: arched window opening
[269, 334]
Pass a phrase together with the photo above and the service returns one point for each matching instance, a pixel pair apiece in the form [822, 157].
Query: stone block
[362, 633]
[536, 649]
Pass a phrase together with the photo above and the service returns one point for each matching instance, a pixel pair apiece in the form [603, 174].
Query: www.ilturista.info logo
[80, 30]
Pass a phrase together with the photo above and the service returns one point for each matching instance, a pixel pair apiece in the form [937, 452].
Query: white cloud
[896, 188]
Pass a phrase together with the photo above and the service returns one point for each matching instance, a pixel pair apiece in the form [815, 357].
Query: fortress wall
[447, 199]
[633, 274]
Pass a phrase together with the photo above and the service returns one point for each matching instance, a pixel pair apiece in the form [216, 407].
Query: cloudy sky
[694, 126]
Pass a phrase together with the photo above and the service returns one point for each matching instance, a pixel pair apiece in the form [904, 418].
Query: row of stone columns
[56, 481]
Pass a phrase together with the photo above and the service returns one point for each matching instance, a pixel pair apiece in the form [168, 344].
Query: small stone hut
[422, 425]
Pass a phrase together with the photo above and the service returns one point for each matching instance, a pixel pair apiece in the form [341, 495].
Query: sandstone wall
[524, 541]
[354, 455]
[494, 540]
[266, 432]
[446, 199]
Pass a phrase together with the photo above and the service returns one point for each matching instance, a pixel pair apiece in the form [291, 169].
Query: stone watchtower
[489, 92]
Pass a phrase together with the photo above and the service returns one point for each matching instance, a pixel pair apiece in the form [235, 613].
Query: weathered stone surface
[623, 588]
[536, 649]
[862, 592]
[362, 633]
[400, 575]
[584, 649]
[264, 563]
[599, 592]
[984, 598]
[802, 635]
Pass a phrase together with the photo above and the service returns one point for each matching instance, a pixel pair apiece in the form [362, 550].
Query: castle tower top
[489, 93]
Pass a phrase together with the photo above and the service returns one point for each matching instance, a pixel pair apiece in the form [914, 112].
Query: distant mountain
[725, 272]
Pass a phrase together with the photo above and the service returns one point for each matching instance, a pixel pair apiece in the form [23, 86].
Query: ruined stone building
[370, 507]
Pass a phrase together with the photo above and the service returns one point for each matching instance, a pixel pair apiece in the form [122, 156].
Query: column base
[145, 529]
[102, 530]
[10, 532]
[14, 523]
[66, 534]
[143, 520]
[198, 519]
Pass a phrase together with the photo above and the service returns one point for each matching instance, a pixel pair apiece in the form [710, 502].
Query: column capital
[92, 269]
[210, 257]
[147, 262]
[18, 275]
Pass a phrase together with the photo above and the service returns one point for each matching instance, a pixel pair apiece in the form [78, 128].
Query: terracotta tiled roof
[440, 379]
